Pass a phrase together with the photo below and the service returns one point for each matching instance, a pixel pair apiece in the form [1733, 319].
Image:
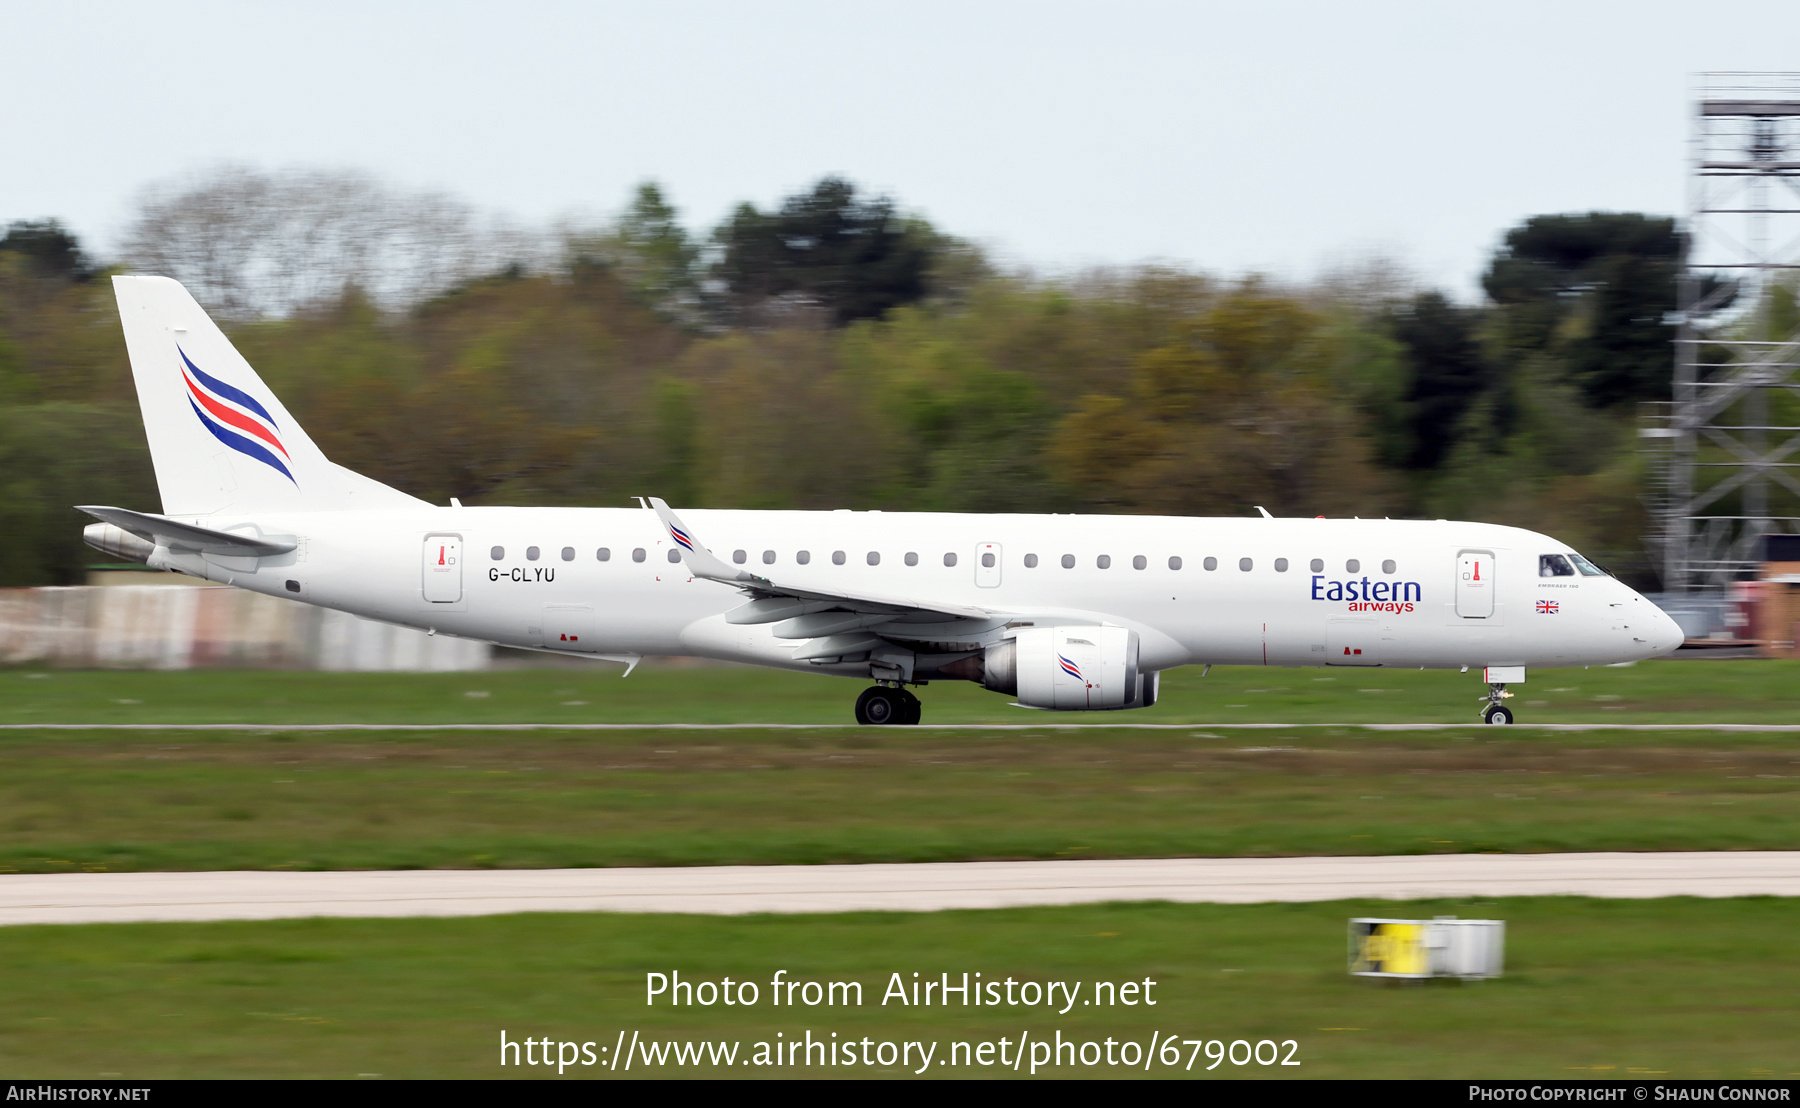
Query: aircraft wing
[162, 531]
[772, 600]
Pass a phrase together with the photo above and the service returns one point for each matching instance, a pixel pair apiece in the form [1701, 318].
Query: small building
[1770, 605]
[149, 620]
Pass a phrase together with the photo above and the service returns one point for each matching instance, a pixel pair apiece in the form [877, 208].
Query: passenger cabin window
[837, 557]
[912, 557]
[1210, 564]
[1281, 565]
[1139, 561]
[1068, 561]
[740, 557]
[1031, 561]
[1174, 563]
[531, 553]
[1353, 566]
[987, 561]
[604, 554]
[873, 558]
[1554, 565]
[568, 553]
[497, 553]
[1104, 561]
[1317, 565]
[950, 559]
[674, 554]
[804, 557]
[1587, 568]
[1246, 564]
[768, 557]
[638, 554]
[1388, 567]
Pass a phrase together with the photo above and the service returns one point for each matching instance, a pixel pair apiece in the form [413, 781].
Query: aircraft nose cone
[1667, 635]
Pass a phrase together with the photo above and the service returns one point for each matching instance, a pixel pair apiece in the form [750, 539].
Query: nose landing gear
[887, 704]
[1496, 711]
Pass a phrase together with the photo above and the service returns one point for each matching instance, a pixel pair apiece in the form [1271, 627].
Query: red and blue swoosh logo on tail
[681, 537]
[235, 417]
[1070, 668]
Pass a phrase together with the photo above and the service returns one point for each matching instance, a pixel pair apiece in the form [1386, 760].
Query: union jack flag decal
[1071, 668]
[1547, 607]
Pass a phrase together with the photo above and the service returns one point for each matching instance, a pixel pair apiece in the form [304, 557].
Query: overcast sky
[1280, 137]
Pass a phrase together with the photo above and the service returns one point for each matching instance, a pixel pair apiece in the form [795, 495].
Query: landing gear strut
[1496, 711]
[887, 704]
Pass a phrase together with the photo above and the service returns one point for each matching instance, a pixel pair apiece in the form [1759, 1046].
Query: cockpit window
[1554, 565]
[1587, 568]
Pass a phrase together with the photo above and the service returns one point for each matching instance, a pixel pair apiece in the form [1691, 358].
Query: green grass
[229, 800]
[1654, 692]
[1594, 988]
[1622, 989]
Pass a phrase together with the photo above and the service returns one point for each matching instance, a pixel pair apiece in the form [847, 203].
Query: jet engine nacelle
[1070, 669]
[118, 542]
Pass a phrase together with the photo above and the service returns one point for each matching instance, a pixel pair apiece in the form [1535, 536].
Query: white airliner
[1061, 612]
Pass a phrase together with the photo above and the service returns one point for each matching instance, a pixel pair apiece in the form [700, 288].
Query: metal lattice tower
[1725, 451]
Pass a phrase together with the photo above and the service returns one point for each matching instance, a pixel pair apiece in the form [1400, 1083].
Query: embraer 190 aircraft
[1061, 612]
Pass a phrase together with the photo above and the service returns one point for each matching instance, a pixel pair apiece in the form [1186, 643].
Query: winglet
[700, 561]
[1264, 511]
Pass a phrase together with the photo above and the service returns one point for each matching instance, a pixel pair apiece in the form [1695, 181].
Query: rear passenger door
[442, 568]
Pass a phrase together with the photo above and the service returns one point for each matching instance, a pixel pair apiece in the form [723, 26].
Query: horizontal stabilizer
[162, 531]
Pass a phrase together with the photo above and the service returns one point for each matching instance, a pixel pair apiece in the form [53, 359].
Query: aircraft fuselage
[1279, 592]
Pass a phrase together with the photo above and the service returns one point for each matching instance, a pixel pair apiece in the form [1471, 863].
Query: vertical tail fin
[219, 439]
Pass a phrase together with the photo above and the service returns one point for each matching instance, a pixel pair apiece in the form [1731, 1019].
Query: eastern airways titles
[1369, 596]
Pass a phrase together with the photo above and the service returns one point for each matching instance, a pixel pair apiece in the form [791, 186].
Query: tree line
[835, 351]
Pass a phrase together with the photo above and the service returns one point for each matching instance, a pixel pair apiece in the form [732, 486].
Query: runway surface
[732, 890]
[845, 726]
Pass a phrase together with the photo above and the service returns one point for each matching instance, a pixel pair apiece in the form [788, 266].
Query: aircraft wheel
[912, 710]
[879, 705]
[1496, 714]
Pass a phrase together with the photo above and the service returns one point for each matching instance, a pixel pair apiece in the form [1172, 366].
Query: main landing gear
[1496, 711]
[885, 704]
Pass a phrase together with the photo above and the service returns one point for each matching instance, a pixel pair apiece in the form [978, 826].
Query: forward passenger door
[1475, 584]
